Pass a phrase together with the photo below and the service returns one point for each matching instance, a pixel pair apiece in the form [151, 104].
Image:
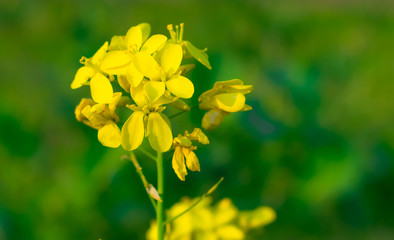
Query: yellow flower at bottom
[184, 150]
[225, 97]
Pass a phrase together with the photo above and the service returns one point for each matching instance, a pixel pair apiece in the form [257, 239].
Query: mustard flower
[123, 51]
[100, 86]
[147, 121]
[225, 97]
[101, 117]
[184, 149]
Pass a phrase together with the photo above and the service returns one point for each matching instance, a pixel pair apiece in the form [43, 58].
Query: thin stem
[210, 191]
[160, 189]
[143, 178]
[148, 154]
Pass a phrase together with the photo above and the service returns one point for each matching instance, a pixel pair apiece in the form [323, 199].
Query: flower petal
[124, 83]
[101, 89]
[154, 90]
[134, 38]
[138, 94]
[99, 55]
[198, 54]
[230, 232]
[147, 65]
[154, 43]
[109, 135]
[117, 43]
[230, 102]
[191, 160]
[160, 135]
[116, 62]
[82, 76]
[180, 86]
[133, 75]
[198, 135]
[145, 29]
[133, 131]
[178, 163]
[171, 58]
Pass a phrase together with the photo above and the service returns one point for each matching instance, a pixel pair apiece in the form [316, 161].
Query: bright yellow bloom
[147, 121]
[184, 149]
[222, 221]
[167, 74]
[123, 51]
[101, 117]
[225, 97]
[100, 86]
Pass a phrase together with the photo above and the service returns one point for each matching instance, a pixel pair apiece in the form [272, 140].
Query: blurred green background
[317, 147]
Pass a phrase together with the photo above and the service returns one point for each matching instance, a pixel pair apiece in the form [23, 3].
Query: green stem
[148, 154]
[160, 189]
[138, 168]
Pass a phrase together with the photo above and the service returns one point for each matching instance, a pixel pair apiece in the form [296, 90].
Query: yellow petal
[180, 86]
[212, 119]
[124, 83]
[171, 58]
[109, 135]
[145, 29]
[198, 135]
[154, 90]
[191, 160]
[116, 62]
[101, 89]
[230, 232]
[180, 105]
[78, 110]
[160, 135]
[117, 43]
[99, 55]
[138, 94]
[147, 65]
[230, 102]
[134, 38]
[82, 76]
[198, 54]
[133, 131]
[257, 218]
[154, 43]
[178, 163]
[133, 75]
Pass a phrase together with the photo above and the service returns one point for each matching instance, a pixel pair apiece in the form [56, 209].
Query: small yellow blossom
[123, 51]
[222, 221]
[100, 86]
[101, 117]
[184, 149]
[225, 97]
[147, 121]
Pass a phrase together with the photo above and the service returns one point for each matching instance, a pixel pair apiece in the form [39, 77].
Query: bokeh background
[317, 147]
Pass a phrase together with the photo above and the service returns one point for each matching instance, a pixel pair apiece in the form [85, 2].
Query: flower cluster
[219, 222]
[150, 73]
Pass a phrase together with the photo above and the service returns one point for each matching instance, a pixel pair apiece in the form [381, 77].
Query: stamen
[177, 33]
[181, 33]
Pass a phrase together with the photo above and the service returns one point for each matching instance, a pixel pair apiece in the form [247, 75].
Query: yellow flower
[225, 97]
[167, 75]
[222, 221]
[184, 149]
[101, 117]
[100, 86]
[147, 121]
[123, 51]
